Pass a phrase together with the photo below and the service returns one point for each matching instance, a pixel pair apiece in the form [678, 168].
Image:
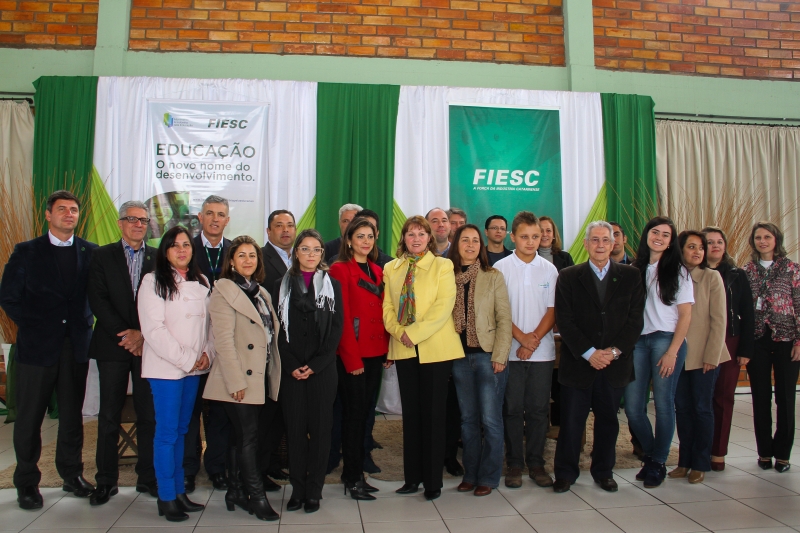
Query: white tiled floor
[743, 498]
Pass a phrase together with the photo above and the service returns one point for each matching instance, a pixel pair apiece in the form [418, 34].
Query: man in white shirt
[531, 283]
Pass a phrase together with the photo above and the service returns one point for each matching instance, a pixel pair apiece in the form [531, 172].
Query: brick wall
[48, 24]
[736, 38]
[512, 31]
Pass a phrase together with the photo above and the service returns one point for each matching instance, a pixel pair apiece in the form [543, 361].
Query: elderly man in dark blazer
[114, 276]
[44, 292]
[599, 311]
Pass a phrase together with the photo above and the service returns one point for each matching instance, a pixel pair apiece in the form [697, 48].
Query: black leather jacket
[741, 317]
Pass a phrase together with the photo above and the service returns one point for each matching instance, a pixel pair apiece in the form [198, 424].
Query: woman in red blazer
[362, 349]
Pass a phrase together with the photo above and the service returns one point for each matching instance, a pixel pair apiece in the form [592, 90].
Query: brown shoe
[540, 477]
[718, 466]
[514, 478]
[696, 477]
[679, 472]
[482, 490]
[465, 487]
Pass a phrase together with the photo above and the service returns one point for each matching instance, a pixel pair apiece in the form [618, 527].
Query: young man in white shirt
[531, 283]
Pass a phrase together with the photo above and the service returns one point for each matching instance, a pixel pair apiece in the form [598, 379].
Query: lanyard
[214, 265]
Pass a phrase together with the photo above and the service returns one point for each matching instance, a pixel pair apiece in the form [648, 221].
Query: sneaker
[514, 477]
[645, 466]
[655, 475]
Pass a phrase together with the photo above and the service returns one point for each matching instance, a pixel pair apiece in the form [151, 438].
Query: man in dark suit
[346, 215]
[277, 252]
[44, 292]
[210, 247]
[114, 277]
[599, 309]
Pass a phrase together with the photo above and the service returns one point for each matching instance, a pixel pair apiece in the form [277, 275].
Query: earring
[350, 246]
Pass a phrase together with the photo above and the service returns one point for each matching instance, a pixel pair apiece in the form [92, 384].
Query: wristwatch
[615, 352]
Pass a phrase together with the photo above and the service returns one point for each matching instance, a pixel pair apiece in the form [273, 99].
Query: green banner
[505, 160]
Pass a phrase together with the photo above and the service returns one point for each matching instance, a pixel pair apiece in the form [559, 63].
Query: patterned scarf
[407, 314]
[458, 311]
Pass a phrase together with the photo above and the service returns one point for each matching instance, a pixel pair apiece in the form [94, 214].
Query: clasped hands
[601, 358]
[132, 340]
[302, 373]
[203, 363]
[529, 342]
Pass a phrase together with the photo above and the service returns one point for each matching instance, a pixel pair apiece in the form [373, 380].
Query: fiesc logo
[514, 178]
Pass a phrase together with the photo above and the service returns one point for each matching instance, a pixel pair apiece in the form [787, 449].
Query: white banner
[196, 149]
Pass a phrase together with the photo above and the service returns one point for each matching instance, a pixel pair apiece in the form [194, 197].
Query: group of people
[262, 342]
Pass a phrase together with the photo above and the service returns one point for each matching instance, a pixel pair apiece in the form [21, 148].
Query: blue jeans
[695, 417]
[480, 398]
[174, 402]
[648, 350]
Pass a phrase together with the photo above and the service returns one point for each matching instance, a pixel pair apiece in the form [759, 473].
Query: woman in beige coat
[482, 316]
[247, 367]
[706, 350]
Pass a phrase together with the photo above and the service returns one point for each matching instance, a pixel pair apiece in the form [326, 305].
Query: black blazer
[202, 258]
[741, 316]
[332, 249]
[584, 322]
[305, 347]
[562, 260]
[111, 299]
[274, 268]
[34, 296]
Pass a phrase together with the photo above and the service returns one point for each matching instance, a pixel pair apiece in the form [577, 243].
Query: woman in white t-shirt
[661, 349]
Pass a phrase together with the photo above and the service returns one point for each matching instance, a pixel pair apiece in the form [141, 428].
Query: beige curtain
[730, 175]
[16, 143]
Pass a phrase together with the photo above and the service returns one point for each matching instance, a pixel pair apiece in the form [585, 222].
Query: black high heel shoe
[408, 488]
[171, 511]
[782, 466]
[368, 487]
[764, 464]
[188, 506]
[358, 491]
[294, 504]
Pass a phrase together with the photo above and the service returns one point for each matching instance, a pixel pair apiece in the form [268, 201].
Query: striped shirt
[135, 260]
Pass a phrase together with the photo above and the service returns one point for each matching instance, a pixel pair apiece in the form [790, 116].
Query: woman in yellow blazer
[247, 368]
[418, 305]
[705, 351]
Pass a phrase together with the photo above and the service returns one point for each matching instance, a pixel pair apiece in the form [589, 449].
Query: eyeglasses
[305, 250]
[133, 220]
[596, 241]
[496, 228]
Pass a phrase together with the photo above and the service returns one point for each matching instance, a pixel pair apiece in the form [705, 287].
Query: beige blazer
[493, 315]
[241, 348]
[706, 337]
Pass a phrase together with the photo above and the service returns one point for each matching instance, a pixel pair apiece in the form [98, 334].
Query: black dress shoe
[311, 506]
[171, 511]
[453, 467]
[271, 486]
[765, 464]
[102, 493]
[188, 484]
[781, 467]
[29, 498]
[149, 487]
[188, 506]
[219, 480]
[561, 485]
[78, 486]
[295, 504]
[408, 488]
[608, 485]
[262, 509]
[369, 465]
[431, 495]
[357, 491]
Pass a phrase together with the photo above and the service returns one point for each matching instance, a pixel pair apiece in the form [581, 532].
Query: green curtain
[63, 137]
[355, 153]
[598, 212]
[629, 139]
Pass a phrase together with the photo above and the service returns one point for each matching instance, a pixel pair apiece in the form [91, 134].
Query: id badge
[759, 304]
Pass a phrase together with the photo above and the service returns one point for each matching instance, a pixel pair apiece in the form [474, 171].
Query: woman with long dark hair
[482, 317]
[311, 317]
[247, 368]
[363, 347]
[173, 314]
[738, 338]
[705, 351]
[661, 349]
[775, 282]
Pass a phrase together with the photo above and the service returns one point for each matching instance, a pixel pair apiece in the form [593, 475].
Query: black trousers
[35, 386]
[307, 406]
[357, 393]
[113, 392]
[217, 426]
[423, 393]
[769, 355]
[244, 439]
[453, 429]
[603, 399]
[271, 430]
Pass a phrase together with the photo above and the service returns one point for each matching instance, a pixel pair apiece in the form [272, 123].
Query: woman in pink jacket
[173, 313]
